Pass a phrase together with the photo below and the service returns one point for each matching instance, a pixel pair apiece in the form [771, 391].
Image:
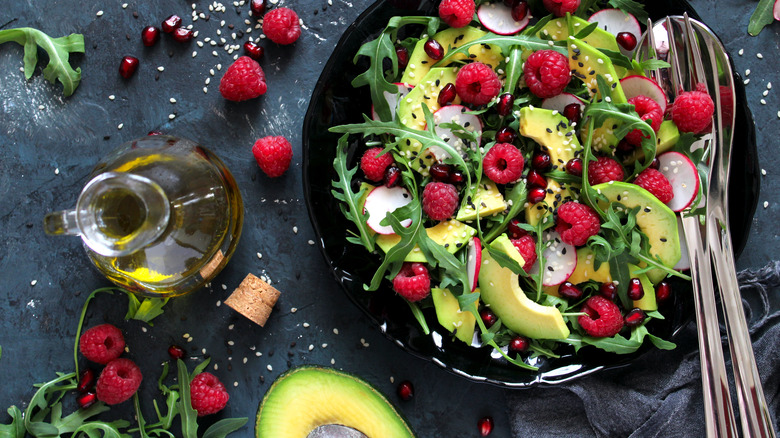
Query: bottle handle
[62, 223]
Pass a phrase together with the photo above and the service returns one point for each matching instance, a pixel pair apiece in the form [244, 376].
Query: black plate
[335, 102]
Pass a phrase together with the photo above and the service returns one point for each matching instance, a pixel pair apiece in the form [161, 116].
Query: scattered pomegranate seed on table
[485, 425]
[128, 66]
[182, 34]
[253, 50]
[176, 352]
[86, 400]
[150, 35]
[405, 390]
[86, 380]
[257, 7]
[171, 23]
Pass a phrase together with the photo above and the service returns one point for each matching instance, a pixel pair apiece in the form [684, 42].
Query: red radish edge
[683, 176]
[382, 200]
[636, 85]
[615, 21]
[447, 114]
[497, 18]
[776, 10]
[559, 102]
[474, 262]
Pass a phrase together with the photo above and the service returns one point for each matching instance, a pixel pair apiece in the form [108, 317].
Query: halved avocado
[308, 397]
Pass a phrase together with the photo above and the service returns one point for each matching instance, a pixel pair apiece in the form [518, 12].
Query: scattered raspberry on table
[273, 155]
[118, 381]
[281, 25]
[102, 343]
[243, 80]
[207, 394]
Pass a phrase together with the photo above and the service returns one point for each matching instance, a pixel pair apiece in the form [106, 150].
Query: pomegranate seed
[535, 179]
[456, 177]
[506, 135]
[513, 227]
[572, 112]
[150, 35]
[519, 10]
[634, 317]
[392, 176]
[176, 352]
[624, 146]
[655, 164]
[627, 40]
[440, 172]
[86, 400]
[447, 94]
[257, 7]
[574, 167]
[254, 50]
[504, 104]
[570, 291]
[402, 53]
[519, 344]
[663, 292]
[86, 380]
[128, 66]
[155, 132]
[405, 390]
[171, 23]
[608, 291]
[488, 317]
[182, 35]
[635, 289]
[485, 425]
[541, 161]
[536, 194]
[434, 50]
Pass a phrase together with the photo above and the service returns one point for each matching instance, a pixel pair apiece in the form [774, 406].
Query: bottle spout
[62, 223]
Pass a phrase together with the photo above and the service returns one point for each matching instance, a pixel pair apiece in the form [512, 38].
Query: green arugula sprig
[380, 49]
[505, 43]
[351, 201]
[762, 16]
[58, 49]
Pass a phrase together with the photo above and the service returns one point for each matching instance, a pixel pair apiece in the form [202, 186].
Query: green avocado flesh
[654, 218]
[500, 289]
[647, 302]
[450, 316]
[308, 397]
[450, 234]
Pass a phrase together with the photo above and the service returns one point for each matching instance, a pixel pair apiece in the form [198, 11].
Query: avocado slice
[500, 289]
[586, 62]
[450, 234]
[557, 194]
[647, 302]
[487, 197]
[666, 137]
[450, 316]
[553, 133]
[420, 63]
[654, 219]
[308, 397]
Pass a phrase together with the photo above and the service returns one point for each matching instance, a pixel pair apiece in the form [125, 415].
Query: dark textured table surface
[48, 144]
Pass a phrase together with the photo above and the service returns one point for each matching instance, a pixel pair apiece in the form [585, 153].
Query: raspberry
[546, 73]
[526, 245]
[692, 111]
[602, 319]
[603, 170]
[560, 7]
[118, 381]
[477, 83]
[273, 155]
[576, 223]
[412, 282]
[656, 183]
[102, 343]
[439, 200]
[207, 394]
[243, 80]
[281, 26]
[648, 109]
[375, 166]
[457, 13]
[503, 163]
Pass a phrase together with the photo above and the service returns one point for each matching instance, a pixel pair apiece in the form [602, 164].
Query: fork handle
[718, 411]
[754, 411]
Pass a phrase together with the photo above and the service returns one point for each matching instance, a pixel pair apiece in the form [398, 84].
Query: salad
[523, 178]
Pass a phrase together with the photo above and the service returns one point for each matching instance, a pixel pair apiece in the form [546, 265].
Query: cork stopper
[254, 299]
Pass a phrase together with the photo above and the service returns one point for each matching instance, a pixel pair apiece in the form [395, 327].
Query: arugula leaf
[189, 416]
[514, 69]
[632, 7]
[587, 30]
[58, 49]
[16, 428]
[653, 64]
[762, 16]
[418, 315]
[505, 43]
[661, 343]
[145, 310]
[223, 427]
[515, 197]
[350, 201]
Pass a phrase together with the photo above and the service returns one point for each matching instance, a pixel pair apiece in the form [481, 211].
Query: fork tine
[697, 73]
[674, 58]
[655, 73]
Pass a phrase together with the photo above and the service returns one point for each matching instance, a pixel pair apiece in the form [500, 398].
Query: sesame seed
[311, 347]
[259, 256]
[746, 81]
[230, 327]
[219, 303]
[235, 384]
[741, 52]
[199, 43]
[120, 126]
[224, 287]
[171, 116]
[759, 56]
[305, 325]
[258, 354]
[766, 204]
[332, 361]
[186, 335]
[763, 172]
[57, 171]
[208, 81]
[310, 242]
[293, 310]
[270, 368]
[295, 230]
[324, 345]
[244, 360]
[768, 85]
[111, 97]
[33, 283]
[124, 5]
[335, 331]
[231, 343]
[41, 107]
[205, 90]
[194, 53]
[172, 100]
[763, 102]
[765, 93]
[747, 72]
[99, 13]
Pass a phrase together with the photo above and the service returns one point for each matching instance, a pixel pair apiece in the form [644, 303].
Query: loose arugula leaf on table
[350, 201]
[16, 428]
[762, 16]
[143, 310]
[223, 427]
[58, 49]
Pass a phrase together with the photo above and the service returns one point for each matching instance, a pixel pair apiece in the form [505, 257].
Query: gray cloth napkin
[659, 396]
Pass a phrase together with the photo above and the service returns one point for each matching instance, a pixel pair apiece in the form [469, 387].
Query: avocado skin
[316, 396]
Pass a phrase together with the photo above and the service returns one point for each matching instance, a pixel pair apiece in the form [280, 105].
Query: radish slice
[381, 201]
[454, 114]
[560, 260]
[474, 261]
[685, 262]
[776, 10]
[497, 18]
[616, 21]
[559, 102]
[393, 99]
[683, 176]
[641, 86]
